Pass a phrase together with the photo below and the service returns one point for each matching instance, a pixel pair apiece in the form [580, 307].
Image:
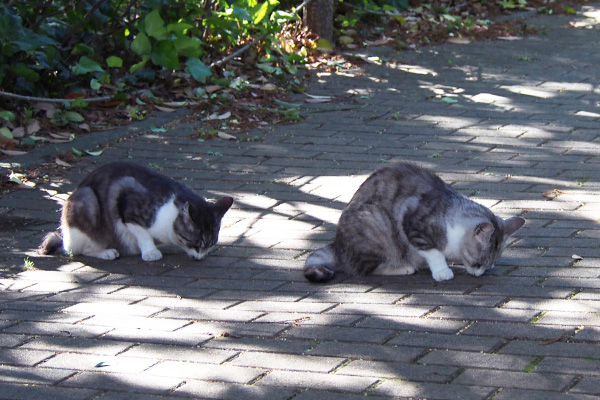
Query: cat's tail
[320, 265]
[51, 243]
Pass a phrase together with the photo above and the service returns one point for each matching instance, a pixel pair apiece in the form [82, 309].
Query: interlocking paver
[522, 138]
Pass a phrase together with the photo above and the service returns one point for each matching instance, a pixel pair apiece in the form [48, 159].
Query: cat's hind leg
[76, 242]
[372, 243]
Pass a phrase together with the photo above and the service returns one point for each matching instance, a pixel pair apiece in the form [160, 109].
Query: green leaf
[138, 66]
[157, 130]
[76, 152]
[26, 73]
[187, 46]
[324, 45]
[286, 104]
[72, 116]
[86, 65]
[197, 68]
[141, 45]
[28, 140]
[165, 55]
[81, 48]
[263, 9]
[155, 26]
[114, 62]
[94, 153]
[179, 27]
[101, 364]
[449, 100]
[6, 133]
[7, 115]
[94, 84]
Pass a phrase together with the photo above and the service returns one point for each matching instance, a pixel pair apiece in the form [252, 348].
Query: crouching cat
[403, 216]
[122, 208]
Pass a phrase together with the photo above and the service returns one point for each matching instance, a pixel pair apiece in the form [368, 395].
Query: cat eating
[123, 208]
[404, 216]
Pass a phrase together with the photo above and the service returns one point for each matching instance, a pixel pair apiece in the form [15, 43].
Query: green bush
[52, 47]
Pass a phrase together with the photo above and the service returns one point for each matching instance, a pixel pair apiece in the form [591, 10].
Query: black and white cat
[123, 208]
[403, 216]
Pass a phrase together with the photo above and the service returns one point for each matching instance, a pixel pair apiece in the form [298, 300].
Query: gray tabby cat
[122, 208]
[403, 216]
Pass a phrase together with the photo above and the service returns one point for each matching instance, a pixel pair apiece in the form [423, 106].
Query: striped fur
[403, 217]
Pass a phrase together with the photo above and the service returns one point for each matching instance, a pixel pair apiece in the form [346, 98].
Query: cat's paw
[152, 255]
[443, 274]
[108, 254]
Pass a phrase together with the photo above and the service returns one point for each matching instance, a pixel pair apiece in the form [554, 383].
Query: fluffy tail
[320, 265]
[52, 242]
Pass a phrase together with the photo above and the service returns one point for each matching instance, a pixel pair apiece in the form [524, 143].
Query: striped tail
[51, 243]
[320, 265]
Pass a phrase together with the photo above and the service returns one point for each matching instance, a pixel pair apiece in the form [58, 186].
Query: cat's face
[483, 245]
[198, 231]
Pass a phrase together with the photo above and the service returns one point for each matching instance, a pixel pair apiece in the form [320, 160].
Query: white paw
[152, 255]
[108, 254]
[407, 270]
[443, 274]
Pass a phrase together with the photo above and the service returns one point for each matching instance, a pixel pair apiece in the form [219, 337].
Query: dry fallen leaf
[576, 257]
[62, 163]
[212, 88]
[225, 136]
[18, 132]
[13, 152]
[458, 40]
[33, 127]
[165, 109]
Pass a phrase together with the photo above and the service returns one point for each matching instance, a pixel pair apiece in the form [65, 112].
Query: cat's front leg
[145, 242]
[437, 264]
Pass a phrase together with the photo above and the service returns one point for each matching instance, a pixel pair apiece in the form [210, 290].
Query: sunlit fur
[402, 217]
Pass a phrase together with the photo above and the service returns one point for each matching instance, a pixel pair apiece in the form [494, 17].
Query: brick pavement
[521, 138]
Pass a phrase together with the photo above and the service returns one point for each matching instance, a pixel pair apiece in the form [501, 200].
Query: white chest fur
[455, 235]
[162, 228]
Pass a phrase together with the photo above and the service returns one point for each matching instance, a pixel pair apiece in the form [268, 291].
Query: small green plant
[537, 318]
[28, 264]
[533, 364]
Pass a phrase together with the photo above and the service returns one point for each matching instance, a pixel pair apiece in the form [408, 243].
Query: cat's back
[399, 181]
[120, 175]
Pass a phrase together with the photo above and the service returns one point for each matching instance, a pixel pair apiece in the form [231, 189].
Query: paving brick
[33, 375]
[510, 330]
[475, 360]
[403, 389]
[228, 391]
[342, 334]
[558, 349]
[27, 358]
[128, 383]
[260, 344]
[66, 344]
[485, 314]
[26, 392]
[367, 351]
[179, 353]
[518, 380]
[587, 386]
[206, 372]
[569, 366]
[429, 325]
[391, 370]
[310, 363]
[443, 341]
[317, 381]
[90, 362]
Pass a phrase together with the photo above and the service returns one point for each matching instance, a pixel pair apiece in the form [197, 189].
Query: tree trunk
[318, 17]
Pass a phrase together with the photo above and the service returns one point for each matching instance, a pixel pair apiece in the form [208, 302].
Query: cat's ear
[512, 225]
[222, 205]
[185, 215]
[483, 232]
